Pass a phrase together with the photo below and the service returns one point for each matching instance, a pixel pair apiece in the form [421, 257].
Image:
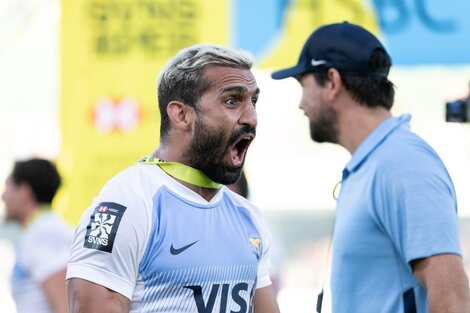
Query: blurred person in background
[38, 276]
[396, 242]
[166, 235]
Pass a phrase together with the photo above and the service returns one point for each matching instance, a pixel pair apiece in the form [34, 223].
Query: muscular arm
[265, 300]
[445, 280]
[86, 297]
[54, 288]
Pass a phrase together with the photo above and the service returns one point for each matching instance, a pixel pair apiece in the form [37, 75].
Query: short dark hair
[369, 90]
[183, 79]
[41, 175]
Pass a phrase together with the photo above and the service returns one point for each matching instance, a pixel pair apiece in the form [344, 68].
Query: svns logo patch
[103, 225]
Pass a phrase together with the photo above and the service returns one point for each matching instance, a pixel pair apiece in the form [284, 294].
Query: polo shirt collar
[373, 141]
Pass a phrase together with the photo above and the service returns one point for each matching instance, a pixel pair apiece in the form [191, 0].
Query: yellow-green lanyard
[182, 172]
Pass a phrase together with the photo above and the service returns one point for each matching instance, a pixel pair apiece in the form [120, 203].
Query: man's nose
[249, 115]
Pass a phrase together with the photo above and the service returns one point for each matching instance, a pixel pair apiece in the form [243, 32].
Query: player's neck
[358, 124]
[29, 214]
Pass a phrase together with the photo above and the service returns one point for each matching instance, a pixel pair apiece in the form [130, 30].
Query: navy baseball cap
[343, 46]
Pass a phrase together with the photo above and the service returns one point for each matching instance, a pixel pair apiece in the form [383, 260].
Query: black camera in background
[458, 111]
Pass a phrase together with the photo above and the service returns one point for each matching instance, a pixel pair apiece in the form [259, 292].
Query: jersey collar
[373, 141]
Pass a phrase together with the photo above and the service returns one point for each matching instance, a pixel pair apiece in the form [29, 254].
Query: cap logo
[317, 62]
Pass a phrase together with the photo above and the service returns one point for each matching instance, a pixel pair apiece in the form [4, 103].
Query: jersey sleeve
[416, 205]
[263, 276]
[111, 237]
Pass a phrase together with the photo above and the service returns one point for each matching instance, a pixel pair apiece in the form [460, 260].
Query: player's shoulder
[241, 202]
[134, 172]
[235, 197]
[135, 179]
[48, 229]
[408, 160]
[52, 221]
[404, 142]
[404, 150]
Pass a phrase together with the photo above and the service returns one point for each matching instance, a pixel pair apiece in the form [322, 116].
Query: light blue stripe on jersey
[166, 294]
[213, 267]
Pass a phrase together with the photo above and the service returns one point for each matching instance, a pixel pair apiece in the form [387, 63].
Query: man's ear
[335, 83]
[181, 115]
[26, 192]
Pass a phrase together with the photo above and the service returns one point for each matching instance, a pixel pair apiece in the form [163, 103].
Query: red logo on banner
[110, 115]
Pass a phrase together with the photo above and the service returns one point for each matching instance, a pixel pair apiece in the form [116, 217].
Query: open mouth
[238, 150]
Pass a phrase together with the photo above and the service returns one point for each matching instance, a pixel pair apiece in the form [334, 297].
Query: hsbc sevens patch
[103, 226]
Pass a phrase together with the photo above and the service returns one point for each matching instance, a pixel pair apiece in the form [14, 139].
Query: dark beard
[208, 150]
[324, 128]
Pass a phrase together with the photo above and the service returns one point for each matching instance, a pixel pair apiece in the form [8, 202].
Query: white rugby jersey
[42, 251]
[167, 249]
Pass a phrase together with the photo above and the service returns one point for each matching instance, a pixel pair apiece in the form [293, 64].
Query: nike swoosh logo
[176, 251]
[319, 62]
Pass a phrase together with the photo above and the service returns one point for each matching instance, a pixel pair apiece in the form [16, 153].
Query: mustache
[242, 131]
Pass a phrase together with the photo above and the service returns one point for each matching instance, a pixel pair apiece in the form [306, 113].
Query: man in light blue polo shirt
[396, 242]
